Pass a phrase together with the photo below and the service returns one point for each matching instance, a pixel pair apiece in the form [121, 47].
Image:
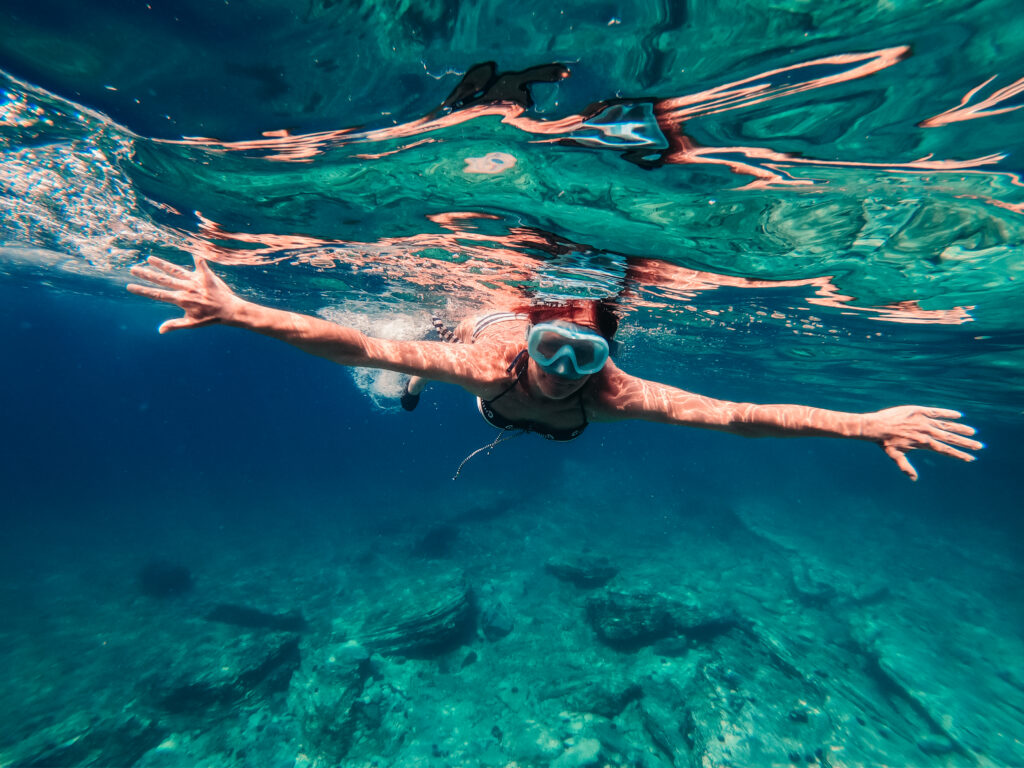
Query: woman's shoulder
[609, 391]
[490, 356]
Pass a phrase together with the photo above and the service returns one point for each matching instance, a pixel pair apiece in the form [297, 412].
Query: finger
[947, 450]
[172, 269]
[941, 413]
[153, 293]
[182, 322]
[202, 267]
[957, 427]
[958, 440]
[901, 461]
[159, 278]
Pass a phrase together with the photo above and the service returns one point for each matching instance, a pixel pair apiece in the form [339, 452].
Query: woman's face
[553, 386]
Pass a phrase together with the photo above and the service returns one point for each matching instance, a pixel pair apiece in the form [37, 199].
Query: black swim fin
[409, 400]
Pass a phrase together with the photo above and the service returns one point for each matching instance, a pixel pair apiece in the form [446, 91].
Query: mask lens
[586, 353]
[549, 345]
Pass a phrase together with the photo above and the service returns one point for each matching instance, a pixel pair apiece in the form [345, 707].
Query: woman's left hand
[914, 427]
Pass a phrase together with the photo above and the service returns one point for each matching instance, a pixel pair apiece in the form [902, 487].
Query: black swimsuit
[495, 419]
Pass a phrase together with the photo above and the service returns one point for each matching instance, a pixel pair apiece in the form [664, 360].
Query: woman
[546, 370]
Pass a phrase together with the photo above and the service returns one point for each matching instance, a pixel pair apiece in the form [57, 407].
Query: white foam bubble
[384, 388]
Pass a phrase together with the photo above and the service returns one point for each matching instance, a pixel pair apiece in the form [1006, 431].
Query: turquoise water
[787, 202]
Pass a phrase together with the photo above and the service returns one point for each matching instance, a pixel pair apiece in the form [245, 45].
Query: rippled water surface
[823, 192]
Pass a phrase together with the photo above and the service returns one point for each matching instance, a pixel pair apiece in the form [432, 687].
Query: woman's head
[568, 343]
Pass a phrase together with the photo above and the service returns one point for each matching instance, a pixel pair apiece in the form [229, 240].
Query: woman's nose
[563, 367]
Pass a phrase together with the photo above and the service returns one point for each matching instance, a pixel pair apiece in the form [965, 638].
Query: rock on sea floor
[747, 636]
[585, 571]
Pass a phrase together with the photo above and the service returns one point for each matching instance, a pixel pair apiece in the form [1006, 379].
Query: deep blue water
[111, 424]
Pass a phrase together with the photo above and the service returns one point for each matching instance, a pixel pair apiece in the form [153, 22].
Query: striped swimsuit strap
[496, 317]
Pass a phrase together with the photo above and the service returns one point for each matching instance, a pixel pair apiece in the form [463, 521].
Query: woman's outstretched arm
[208, 300]
[897, 430]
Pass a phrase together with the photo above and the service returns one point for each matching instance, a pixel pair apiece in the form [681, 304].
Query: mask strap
[515, 362]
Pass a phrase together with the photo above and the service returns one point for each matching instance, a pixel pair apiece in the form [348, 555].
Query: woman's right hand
[913, 427]
[205, 298]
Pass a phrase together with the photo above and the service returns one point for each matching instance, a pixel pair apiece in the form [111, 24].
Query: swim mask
[567, 350]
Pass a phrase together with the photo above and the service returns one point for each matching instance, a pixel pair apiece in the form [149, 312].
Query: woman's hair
[597, 315]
